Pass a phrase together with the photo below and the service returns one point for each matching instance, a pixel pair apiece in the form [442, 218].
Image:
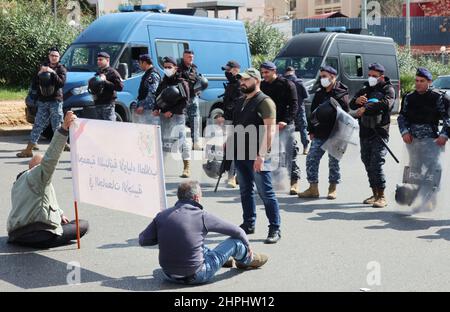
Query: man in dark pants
[419, 119]
[35, 219]
[49, 99]
[322, 120]
[301, 123]
[374, 103]
[254, 121]
[147, 89]
[172, 115]
[105, 101]
[284, 93]
[232, 94]
[189, 72]
[180, 232]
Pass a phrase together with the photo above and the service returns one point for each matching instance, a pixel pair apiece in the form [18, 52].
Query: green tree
[28, 30]
[265, 41]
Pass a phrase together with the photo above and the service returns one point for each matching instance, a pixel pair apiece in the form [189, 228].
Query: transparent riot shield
[215, 136]
[145, 118]
[281, 157]
[345, 131]
[423, 175]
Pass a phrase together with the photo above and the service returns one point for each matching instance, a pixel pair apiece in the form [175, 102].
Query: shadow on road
[157, 282]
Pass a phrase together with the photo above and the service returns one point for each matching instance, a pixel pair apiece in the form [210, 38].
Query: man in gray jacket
[35, 219]
[180, 232]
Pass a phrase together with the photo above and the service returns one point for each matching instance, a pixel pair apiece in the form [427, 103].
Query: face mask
[372, 81]
[169, 72]
[325, 82]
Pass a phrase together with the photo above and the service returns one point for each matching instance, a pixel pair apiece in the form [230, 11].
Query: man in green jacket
[35, 219]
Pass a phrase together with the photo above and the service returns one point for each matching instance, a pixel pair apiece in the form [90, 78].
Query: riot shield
[281, 157]
[145, 118]
[423, 173]
[345, 131]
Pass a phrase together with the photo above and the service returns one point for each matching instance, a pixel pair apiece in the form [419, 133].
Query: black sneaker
[247, 228]
[273, 237]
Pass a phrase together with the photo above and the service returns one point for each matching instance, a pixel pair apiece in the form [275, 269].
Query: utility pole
[364, 14]
[408, 24]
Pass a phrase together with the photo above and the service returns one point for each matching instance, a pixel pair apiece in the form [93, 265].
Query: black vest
[422, 108]
[246, 114]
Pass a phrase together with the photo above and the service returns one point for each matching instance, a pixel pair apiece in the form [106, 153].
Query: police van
[147, 29]
[350, 54]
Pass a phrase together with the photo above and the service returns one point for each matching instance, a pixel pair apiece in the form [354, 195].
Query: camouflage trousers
[105, 112]
[373, 155]
[193, 113]
[313, 161]
[47, 112]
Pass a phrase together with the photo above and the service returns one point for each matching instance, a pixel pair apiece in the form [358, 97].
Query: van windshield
[306, 67]
[83, 57]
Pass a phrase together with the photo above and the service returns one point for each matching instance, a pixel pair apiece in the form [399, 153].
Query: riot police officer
[111, 82]
[147, 88]
[48, 84]
[284, 93]
[419, 117]
[189, 72]
[170, 105]
[320, 127]
[373, 104]
[232, 94]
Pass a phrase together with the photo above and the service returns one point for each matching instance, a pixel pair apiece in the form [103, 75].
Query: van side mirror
[123, 70]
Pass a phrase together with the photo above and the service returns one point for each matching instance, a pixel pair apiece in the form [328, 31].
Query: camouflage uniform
[50, 111]
[373, 156]
[313, 161]
[423, 125]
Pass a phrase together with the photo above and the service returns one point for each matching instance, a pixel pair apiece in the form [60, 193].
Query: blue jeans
[247, 177]
[214, 260]
[47, 112]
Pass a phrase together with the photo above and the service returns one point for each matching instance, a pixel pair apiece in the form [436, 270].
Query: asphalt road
[339, 245]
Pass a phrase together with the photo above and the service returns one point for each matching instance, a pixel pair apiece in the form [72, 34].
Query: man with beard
[254, 121]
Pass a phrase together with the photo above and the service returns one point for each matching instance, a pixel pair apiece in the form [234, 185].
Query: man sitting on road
[35, 219]
[180, 232]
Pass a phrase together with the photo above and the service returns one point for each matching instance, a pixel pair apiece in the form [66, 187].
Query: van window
[305, 67]
[333, 62]
[130, 56]
[174, 49]
[83, 57]
[353, 65]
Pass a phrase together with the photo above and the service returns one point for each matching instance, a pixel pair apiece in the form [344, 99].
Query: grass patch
[9, 93]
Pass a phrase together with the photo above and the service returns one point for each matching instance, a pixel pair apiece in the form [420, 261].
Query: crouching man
[35, 219]
[180, 232]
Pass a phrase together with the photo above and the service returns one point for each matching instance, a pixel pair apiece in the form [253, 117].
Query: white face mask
[325, 82]
[372, 81]
[169, 72]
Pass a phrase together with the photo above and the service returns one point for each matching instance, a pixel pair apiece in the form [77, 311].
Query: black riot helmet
[96, 85]
[170, 95]
[47, 83]
[212, 168]
[201, 84]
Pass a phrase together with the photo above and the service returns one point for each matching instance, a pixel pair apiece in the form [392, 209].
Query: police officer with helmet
[373, 104]
[104, 87]
[48, 84]
[172, 98]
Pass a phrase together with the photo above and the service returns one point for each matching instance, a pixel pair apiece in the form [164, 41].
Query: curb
[14, 131]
